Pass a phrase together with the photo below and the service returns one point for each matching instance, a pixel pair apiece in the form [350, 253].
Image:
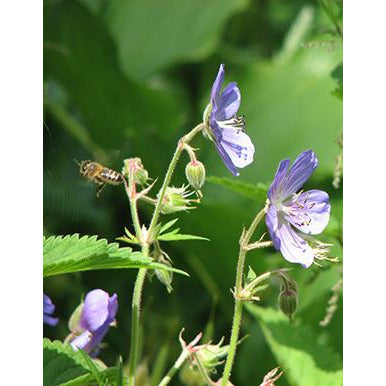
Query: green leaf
[108, 375]
[64, 366]
[71, 253]
[319, 287]
[297, 33]
[246, 189]
[334, 11]
[303, 358]
[61, 363]
[168, 225]
[294, 122]
[95, 371]
[152, 35]
[337, 75]
[251, 275]
[80, 55]
[173, 236]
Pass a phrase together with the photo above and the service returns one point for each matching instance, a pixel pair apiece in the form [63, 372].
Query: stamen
[299, 209]
[233, 123]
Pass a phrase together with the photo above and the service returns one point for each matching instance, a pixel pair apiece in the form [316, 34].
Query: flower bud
[288, 300]
[165, 277]
[73, 323]
[176, 200]
[134, 165]
[195, 174]
[212, 355]
[189, 375]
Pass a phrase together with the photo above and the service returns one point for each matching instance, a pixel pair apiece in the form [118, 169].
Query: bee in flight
[99, 174]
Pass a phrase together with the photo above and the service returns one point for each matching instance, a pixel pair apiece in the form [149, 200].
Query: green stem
[136, 310]
[180, 147]
[135, 218]
[139, 282]
[177, 365]
[131, 195]
[238, 312]
[159, 365]
[257, 280]
[136, 303]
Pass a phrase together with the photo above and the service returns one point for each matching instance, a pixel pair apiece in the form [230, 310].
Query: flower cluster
[292, 216]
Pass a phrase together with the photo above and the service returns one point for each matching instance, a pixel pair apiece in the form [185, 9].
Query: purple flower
[225, 128]
[96, 315]
[292, 217]
[48, 310]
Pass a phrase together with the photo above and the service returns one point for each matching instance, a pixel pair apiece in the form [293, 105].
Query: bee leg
[99, 189]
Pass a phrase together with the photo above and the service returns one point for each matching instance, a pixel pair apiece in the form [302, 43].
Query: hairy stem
[180, 147]
[177, 365]
[145, 242]
[244, 240]
[135, 317]
[131, 194]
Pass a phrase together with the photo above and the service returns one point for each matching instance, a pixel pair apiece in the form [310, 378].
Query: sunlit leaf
[71, 253]
[303, 358]
[64, 366]
[80, 55]
[246, 189]
[153, 34]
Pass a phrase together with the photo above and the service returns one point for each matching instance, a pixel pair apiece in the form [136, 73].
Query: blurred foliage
[127, 79]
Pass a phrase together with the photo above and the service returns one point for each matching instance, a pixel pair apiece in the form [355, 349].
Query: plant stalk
[145, 242]
[244, 240]
[135, 317]
[180, 147]
[177, 365]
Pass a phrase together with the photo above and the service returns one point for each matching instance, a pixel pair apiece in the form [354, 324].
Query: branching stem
[145, 243]
[244, 242]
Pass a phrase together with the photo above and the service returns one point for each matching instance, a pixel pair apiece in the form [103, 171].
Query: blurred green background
[127, 78]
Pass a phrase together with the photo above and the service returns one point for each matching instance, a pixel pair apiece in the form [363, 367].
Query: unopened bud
[195, 174]
[189, 375]
[135, 166]
[73, 322]
[176, 200]
[212, 355]
[288, 300]
[165, 277]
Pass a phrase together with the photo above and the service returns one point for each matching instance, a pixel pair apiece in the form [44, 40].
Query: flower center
[298, 209]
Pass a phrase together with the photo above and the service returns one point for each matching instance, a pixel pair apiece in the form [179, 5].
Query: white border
[364, 192]
[21, 157]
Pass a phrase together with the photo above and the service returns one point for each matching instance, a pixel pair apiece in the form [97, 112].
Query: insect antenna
[76, 161]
